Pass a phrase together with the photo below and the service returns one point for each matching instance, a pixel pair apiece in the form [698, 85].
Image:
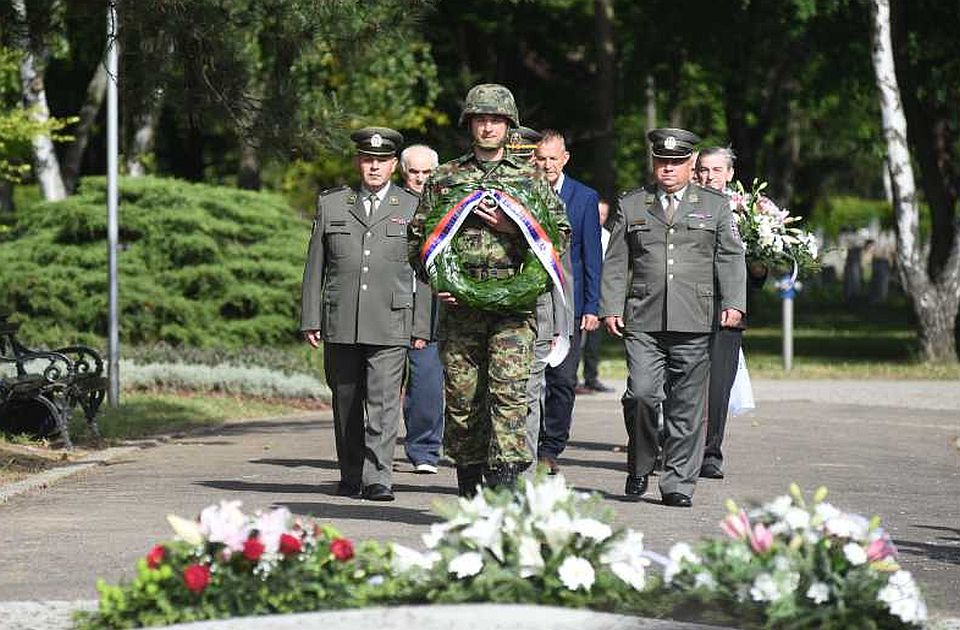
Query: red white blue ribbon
[536, 237]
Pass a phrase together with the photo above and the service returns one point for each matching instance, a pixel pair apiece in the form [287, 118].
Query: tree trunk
[248, 177]
[32, 67]
[96, 91]
[6, 198]
[651, 94]
[604, 171]
[934, 300]
[144, 137]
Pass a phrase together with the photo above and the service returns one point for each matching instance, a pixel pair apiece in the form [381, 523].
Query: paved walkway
[888, 448]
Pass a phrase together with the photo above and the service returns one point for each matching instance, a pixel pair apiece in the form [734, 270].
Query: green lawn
[831, 340]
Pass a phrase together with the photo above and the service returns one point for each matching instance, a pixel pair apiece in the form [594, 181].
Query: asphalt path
[885, 448]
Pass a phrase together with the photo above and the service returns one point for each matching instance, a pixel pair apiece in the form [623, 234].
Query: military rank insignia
[352, 198]
[393, 200]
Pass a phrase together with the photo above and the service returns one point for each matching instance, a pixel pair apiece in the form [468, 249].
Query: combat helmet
[490, 98]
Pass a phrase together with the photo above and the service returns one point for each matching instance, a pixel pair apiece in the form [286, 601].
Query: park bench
[40, 388]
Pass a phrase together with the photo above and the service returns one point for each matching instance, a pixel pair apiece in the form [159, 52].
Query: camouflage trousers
[487, 358]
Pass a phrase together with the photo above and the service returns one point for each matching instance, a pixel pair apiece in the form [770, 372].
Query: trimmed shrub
[199, 265]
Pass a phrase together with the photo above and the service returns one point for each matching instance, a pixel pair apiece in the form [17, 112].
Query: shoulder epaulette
[632, 191]
[712, 191]
[334, 190]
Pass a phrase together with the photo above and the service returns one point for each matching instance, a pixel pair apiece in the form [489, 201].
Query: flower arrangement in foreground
[230, 564]
[768, 233]
[800, 565]
[543, 543]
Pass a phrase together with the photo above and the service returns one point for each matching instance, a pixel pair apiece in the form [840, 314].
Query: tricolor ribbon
[536, 237]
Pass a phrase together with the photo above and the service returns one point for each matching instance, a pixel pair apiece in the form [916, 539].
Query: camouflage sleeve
[416, 231]
[312, 286]
[730, 266]
[613, 279]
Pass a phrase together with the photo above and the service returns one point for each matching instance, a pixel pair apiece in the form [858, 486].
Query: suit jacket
[662, 276]
[585, 254]
[358, 286]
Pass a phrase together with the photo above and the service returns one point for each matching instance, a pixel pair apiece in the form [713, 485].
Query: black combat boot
[468, 478]
[505, 475]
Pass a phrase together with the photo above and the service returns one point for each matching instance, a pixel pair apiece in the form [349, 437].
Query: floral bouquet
[230, 564]
[768, 233]
[543, 543]
[800, 565]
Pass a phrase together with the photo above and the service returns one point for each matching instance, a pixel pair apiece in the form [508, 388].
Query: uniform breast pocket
[396, 241]
[339, 241]
[638, 236]
[703, 232]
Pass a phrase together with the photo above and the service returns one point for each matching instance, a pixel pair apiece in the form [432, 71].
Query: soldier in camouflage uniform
[487, 355]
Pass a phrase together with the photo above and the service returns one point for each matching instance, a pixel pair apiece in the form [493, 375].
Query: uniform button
[363, 287]
[366, 252]
[670, 246]
[670, 261]
[366, 269]
[369, 233]
[701, 225]
[670, 276]
[671, 230]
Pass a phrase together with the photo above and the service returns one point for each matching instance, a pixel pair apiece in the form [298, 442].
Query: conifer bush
[200, 265]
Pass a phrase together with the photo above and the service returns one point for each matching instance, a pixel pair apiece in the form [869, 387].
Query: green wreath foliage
[517, 293]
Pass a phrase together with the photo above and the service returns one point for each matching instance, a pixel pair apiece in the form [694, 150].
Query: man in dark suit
[673, 246]
[358, 299]
[585, 259]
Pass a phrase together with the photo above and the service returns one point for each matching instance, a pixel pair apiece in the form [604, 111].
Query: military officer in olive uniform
[487, 354]
[672, 246]
[358, 299]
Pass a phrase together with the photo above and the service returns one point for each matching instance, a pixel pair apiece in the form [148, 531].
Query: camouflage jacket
[477, 245]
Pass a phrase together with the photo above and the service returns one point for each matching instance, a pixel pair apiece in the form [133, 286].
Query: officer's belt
[490, 273]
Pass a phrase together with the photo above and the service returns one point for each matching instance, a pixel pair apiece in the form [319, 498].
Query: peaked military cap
[523, 140]
[671, 142]
[377, 141]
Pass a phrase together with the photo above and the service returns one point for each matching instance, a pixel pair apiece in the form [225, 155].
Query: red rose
[196, 577]
[290, 544]
[341, 548]
[253, 549]
[156, 556]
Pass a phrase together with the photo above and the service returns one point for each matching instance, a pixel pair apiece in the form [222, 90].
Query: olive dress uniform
[660, 275]
[358, 291]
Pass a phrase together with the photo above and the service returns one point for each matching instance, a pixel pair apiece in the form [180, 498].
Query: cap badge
[376, 141]
[516, 138]
[670, 143]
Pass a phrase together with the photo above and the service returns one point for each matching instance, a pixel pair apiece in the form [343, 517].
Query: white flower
[437, 531]
[738, 553]
[705, 579]
[576, 573]
[476, 507]
[682, 552]
[903, 598]
[530, 559]
[592, 529]
[764, 588]
[631, 574]
[797, 518]
[847, 526]
[779, 506]
[225, 523]
[187, 531]
[558, 529]
[824, 512]
[271, 525]
[854, 554]
[544, 496]
[819, 592]
[405, 559]
[466, 564]
[486, 533]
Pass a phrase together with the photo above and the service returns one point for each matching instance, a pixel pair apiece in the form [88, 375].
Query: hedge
[200, 265]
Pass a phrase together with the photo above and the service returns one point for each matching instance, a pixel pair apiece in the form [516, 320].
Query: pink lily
[880, 549]
[761, 539]
[736, 526]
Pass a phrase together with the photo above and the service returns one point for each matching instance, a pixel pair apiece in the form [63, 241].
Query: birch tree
[32, 65]
[936, 296]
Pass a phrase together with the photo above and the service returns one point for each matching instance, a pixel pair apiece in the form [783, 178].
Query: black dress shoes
[711, 471]
[675, 499]
[377, 492]
[635, 487]
[597, 386]
[346, 489]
